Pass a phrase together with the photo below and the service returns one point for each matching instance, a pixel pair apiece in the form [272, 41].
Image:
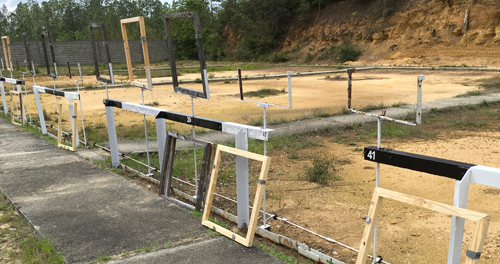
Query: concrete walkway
[313, 124]
[87, 212]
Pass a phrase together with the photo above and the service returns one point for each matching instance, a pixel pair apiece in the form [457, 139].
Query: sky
[11, 4]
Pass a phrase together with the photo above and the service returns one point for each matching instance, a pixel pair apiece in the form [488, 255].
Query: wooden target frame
[6, 52]
[476, 246]
[140, 20]
[266, 161]
[59, 126]
[13, 105]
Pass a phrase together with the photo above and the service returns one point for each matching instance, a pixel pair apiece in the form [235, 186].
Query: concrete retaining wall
[81, 52]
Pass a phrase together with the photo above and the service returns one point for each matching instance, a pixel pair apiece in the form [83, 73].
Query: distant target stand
[16, 94]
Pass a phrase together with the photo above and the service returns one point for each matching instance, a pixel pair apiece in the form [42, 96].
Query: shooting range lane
[88, 212]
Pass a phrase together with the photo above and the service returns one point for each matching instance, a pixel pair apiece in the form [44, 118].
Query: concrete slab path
[88, 212]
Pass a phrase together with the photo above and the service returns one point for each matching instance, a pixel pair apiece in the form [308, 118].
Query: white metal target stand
[78, 91]
[16, 83]
[241, 132]
[69, 95]
[264, 107]
[463, 173]
[379, 133]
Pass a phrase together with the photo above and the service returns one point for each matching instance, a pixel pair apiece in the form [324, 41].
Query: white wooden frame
[266, 161]
[476, 246]
[13, 104]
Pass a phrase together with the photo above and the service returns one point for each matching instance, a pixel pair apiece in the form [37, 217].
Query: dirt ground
[312, 95]
[407, 234]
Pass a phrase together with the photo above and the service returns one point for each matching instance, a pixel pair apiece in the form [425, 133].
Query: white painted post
[40, 111]
[161, 135]
[419, 99]
[242, 179]
[457, 223]
[70, 100]
[113, 141]
[4, 100]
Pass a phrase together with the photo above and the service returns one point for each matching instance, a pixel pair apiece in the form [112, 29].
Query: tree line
[256, 26]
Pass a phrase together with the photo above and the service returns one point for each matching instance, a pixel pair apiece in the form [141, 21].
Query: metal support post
[419, 99]
[161, 134]
[457, 224]
[241, 141]
[4, 100]
[26, 95]
[194, 148]
[113, 141]
[41, 118]
[377, 178]
[146, 134]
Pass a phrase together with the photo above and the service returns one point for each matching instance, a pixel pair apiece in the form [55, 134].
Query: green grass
[23, 243]
[264, 92]
[467, 123]
[469, 94]
[276, 253]
[102, 258]
[321, 171]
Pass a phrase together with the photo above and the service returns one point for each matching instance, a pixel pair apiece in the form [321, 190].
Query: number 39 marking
[371, 154]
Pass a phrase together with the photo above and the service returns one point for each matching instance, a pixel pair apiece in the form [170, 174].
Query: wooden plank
[75, 131]
[59, 125]
[478, 239]
[369, 228]
[248, 241]
[144, 42]
[127, 50]
[242, 153]
[432, 205]
[6, 51]
[482, 220]
[11, 107]
[130, 20]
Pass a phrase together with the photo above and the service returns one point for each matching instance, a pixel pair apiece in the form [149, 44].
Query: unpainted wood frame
[140, 20]
[482, 220]
[266, 161]
[6, 51]
[59, 126]
[201, 54]
[13, 105]
[168, 163]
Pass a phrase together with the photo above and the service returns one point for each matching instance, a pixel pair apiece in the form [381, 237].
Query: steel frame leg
[4, 100]
[161, 135]
[241, 140]
[40, 112]
[113, 141]
[457, 223]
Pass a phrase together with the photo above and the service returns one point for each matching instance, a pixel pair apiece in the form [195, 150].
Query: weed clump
[322, 170]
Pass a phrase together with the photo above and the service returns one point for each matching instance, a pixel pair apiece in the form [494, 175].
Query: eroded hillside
[414, 32]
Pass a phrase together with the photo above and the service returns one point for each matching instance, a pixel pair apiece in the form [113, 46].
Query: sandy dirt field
[311, 95]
